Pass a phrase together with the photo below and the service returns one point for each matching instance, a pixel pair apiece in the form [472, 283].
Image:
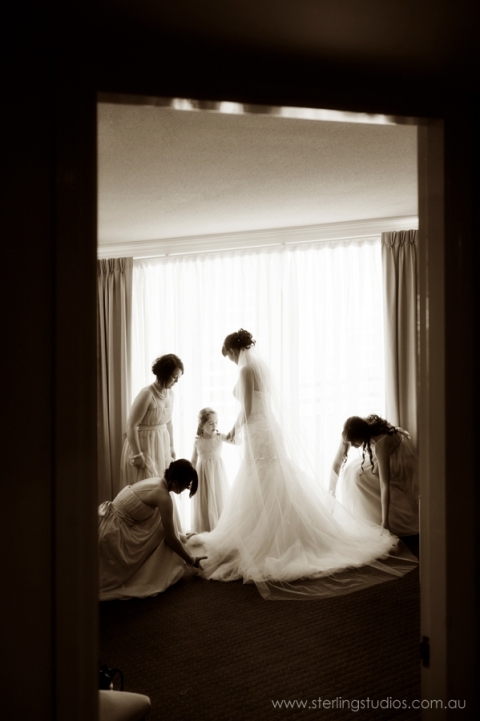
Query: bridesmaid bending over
[148, 448]
[382, 488]
[141, 551]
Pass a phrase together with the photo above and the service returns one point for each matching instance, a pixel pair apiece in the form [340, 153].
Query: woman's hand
[138, 461]
[189, 535]
[173, 455]
[196, 562]
[231, 436]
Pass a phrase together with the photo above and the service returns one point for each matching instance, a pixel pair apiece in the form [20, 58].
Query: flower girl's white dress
[209, 500]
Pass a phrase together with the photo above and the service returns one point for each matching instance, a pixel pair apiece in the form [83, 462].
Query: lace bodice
[260, 403]
[260, 400]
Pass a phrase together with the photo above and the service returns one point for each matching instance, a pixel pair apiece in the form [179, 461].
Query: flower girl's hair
[202, 419]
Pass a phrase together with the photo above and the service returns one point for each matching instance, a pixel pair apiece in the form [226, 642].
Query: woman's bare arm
[246, 387]
[165, 506]
[170, 432]
[137, 412]
[340, 456]
[194, 456]
[383, 460]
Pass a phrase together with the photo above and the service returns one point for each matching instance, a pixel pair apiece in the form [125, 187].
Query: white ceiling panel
[166, 173]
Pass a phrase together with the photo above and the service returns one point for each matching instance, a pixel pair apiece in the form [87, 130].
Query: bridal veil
[281, 529]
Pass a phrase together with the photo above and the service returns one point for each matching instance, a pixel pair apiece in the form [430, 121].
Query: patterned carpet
[210, 650]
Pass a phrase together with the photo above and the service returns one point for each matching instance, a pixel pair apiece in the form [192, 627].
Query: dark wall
[27, 377]
[48, 529]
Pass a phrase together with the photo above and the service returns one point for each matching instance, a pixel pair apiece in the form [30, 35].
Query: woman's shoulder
[387, 443]
[146, 392]
[145, 395]
[246, 377]
[149, 491]
[160, 493]
[147, 389]
[246, 371]
[147, 485]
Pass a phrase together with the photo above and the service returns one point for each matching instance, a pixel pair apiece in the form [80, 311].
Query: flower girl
[212, 491]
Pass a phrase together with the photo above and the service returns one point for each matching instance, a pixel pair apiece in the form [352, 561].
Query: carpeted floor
[209, 650]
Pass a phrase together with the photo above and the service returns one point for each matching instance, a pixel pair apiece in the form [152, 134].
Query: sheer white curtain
[315, 310]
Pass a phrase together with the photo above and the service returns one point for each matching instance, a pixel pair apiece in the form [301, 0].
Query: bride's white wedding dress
[281, 529]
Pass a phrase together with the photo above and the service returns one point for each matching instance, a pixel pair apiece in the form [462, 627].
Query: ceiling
[166, 173]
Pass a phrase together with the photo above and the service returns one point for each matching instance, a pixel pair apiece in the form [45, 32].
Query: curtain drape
[113, 368]
[316, 311]
[399, 259]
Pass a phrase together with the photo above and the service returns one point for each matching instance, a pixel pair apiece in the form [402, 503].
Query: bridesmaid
[382, 488]
[141, 551]
[149, 448]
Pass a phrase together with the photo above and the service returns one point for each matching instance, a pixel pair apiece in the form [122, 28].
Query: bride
[280, 529]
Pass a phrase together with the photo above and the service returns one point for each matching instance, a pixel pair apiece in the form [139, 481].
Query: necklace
[161, 394]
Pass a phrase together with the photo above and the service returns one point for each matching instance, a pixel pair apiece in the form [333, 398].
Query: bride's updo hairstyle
[361, 430]
[165, 366]
[183, 475]
[240, 340]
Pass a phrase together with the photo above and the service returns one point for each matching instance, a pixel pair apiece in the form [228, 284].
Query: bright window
[316, 311]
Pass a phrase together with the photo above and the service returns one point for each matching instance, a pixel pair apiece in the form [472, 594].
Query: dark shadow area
[413, 544]
[214, 650]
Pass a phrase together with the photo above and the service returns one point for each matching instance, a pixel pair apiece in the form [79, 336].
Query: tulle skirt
[282, 531]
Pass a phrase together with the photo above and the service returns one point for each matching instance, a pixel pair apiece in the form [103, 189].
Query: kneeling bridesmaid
[141, 552]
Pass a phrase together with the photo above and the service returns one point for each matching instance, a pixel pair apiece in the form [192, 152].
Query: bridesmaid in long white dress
[149, 448]
[382, 488]
[141, 551]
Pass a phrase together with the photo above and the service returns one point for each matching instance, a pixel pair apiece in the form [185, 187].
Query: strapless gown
[134, 559]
